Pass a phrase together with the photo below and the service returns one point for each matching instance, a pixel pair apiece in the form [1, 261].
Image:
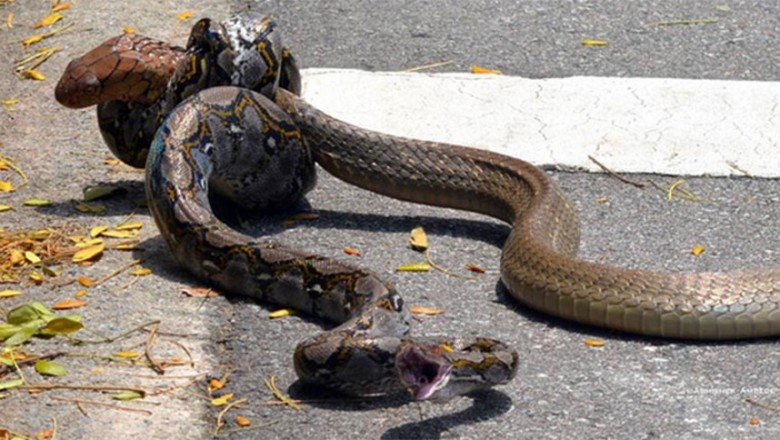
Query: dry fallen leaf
[86, 281]
[242, 421]
[141, 271]
[127, 354]
[88, 253]
[474, 268]
[9, 293]
[222, 400]
[282, 313]
[182, 16]
[594, 342]
[60, 7]
[425, 310]
[67, 304]
[200, 292]
[418, 240]
[350, 251]
[591, 42]
[423, 266]
[216, 384]
[49, 20]
[697, 250]
[484, 70]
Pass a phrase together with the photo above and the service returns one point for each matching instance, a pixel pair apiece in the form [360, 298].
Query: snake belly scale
[217, 141]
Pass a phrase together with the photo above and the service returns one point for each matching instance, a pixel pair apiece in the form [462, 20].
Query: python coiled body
[220, 140]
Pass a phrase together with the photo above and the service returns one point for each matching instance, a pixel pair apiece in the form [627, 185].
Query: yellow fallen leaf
[86, 281]
[281, 313]
[222, 400]
[128, 30]
[90, 242]
[49, 20]
[32, 39]
[9, 21]
[130, 225]
[697, 250]
[36, 202]
[4, 208]
[9, 293]
[31, 257]
[185, 15]
[242, 421]
[127, 246]
[141, 271]
[754, 421]
[446, 347]
[88, 253]
[97, 230]
[127, 354]
[80, 293]
[6, 186]
[484, 70]
[602, 200]
[41, 234]
[425, 310]
[591, 42]
[67, 304]
[34, 74]
[594, 342]
[414, 267]
[8, 102]
[60, 7]
[36, 277]
[418, 240]
[114, 233]
[16, 256]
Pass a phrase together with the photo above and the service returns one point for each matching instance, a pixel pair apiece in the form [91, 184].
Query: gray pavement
[633, 387]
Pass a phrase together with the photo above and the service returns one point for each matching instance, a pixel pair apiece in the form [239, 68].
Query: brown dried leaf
[351, 251]
[204, 292]
[474, 268]
[67, 304]
[425, 310]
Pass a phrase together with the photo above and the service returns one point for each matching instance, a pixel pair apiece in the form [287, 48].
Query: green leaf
[128, 395]
[63, 325]
[6, 361]
[11, 384]
[6, 330]
[28, 313]
[26, 332]
[50, 368]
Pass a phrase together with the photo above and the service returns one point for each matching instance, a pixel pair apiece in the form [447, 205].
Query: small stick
[106, 404]
[616, 175]
[762, 405]
[148, 350]
[117, 272]
[47, 386]
[428, 66]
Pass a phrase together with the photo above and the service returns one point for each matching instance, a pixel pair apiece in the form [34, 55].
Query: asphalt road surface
[632, 387]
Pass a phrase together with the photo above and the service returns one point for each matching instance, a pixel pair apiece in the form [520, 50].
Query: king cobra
[223, 118]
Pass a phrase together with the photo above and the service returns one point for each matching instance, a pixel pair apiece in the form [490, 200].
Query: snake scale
[231, 124]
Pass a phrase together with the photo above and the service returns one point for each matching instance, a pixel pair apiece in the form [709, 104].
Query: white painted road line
[653, 125]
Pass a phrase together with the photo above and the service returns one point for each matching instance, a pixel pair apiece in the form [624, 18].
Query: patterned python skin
[236, 143]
